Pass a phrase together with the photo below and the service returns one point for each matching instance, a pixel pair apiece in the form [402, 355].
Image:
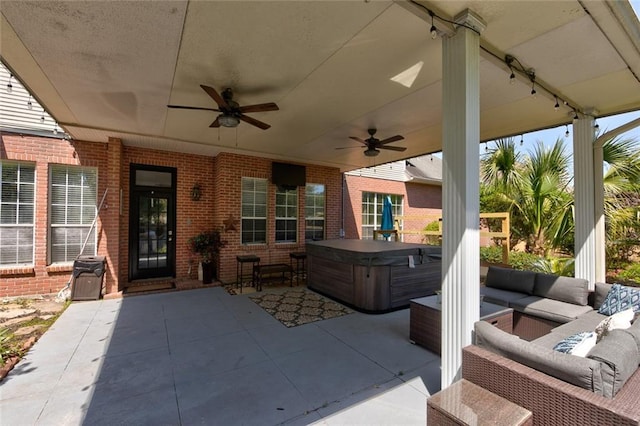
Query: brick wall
[229, 169]
[42, 278]
[219, 179]
[418, 200]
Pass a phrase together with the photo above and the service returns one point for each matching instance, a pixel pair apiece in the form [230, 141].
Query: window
[372, 211]
[73, 209]
[254, 211]
[286, 215]
[314, 212]
[17, 206]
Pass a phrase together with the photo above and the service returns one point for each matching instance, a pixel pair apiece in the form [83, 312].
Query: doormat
[149, 287]
[299, 306]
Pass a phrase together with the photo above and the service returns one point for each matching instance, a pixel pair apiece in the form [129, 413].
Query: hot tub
[373, 276]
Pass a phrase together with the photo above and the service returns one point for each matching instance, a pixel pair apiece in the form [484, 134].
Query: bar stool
[300, 257]
[240, 275]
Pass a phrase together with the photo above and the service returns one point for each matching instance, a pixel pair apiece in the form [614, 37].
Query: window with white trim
[314, 212]
[286, 215]
[254, 211]
[372, 211]
[72, 198]
[17, 213]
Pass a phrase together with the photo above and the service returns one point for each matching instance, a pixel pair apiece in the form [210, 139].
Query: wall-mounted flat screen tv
[288, 175]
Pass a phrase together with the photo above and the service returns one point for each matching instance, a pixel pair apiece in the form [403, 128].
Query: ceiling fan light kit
[374, 145]
[228, 120]
[231, 112]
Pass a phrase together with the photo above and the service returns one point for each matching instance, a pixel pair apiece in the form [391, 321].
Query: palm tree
[535, 191]
[622, 192]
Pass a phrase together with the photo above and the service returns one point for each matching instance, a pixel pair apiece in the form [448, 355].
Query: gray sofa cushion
[585, 322]
[500, 297]
[582, 372]
[510, 279]
[601, 291]
[550, 309]
[565, 289]
[550, 340]
[634, 331]
[618, 353]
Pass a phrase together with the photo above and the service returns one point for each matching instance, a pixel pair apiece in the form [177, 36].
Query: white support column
[600, 238]
[460, 199]
[585, 210]
[598, 179]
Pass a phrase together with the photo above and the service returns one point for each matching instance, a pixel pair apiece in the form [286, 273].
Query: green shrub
[491, 254]
[523, 261]
[564, 266]
[631, 273]
[433, 240]
[517, 259]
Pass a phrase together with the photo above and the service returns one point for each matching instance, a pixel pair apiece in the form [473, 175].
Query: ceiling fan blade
[192, 107]
[216, 123]
[391, 139]
[393, 148]
[355, 138]
[215, 95]
[270, 106]
[348, 147]
[253, 121]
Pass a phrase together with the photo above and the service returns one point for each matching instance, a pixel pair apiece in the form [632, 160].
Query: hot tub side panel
[332, 278]
[410, 283]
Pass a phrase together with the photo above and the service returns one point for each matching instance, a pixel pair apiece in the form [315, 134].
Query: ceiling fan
[375, 145]
[231, 111]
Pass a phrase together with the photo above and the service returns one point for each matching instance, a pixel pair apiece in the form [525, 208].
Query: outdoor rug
[294, 307]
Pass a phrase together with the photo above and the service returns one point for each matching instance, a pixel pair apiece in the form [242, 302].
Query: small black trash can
[87, 277]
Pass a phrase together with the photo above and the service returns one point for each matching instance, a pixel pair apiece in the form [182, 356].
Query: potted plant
[206, 245]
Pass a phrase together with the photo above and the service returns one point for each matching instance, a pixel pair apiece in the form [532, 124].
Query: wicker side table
[425, 323]
[465, 403]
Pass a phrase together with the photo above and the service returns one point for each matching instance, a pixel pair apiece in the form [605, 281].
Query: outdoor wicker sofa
[600, 388]
[540, 302]
[552, 401]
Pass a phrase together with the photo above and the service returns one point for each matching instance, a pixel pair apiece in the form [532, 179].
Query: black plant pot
[208, 272]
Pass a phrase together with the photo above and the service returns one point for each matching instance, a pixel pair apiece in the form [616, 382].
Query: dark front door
[152, 239]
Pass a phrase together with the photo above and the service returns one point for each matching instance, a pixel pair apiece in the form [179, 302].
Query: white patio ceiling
[109, 69]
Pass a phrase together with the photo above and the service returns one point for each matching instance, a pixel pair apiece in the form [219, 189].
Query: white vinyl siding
[73, 194]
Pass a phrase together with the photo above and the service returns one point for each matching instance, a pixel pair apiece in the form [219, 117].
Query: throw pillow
[619, 299]
[620, 320]
[578, 344]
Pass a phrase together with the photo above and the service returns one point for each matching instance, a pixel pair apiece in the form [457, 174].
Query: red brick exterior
[219, 178]
[229, 169]
[418, 200]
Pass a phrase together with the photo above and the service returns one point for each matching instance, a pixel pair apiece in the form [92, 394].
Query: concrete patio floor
[206, 357]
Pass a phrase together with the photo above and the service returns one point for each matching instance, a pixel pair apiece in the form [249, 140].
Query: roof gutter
[599, 142]
[426, 181]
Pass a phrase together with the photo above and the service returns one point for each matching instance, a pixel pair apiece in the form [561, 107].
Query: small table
[298, 271]
[425, 324]
[240, 275]
[465, 403]
[271, 273]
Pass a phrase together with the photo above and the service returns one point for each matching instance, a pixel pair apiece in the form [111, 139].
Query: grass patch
[11, 344]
